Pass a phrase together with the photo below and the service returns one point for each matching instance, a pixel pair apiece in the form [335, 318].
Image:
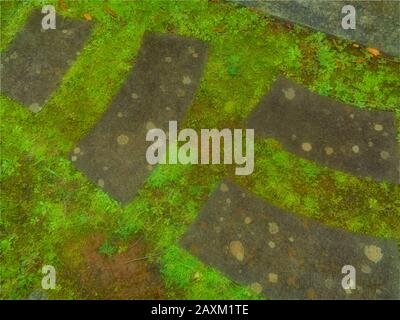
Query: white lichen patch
[256, 287]
[35, 108]
[168, 59]
[74, 158]
[385, 155]
[122, 139]
[355, 148]
[150, 125]
[365, 269]
[272, 277]
[237, 250]
[306, 146]
[329, 150]
[373, 253]
[186, 80]
[271, 244]
[289, 93]
[100, 183]
[224, 187]
[378, 127]
[77, 150]
[248, 220]
[273, 227]
[134, 96]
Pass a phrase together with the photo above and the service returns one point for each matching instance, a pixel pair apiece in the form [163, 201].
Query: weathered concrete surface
[359, 141]
[377, 22]
[159, 89]
[35, 62]
[285, 256]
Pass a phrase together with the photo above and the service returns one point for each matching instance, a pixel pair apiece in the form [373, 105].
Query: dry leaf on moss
[87, 17]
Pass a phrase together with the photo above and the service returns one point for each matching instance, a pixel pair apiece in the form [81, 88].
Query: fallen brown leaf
[375, 52]
[62, 5]
[218, 30]
[87, 17]
[110, 11]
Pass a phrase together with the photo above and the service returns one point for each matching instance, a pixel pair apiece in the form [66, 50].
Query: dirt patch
[125, 275]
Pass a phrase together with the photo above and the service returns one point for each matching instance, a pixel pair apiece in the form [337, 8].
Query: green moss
[46, 204]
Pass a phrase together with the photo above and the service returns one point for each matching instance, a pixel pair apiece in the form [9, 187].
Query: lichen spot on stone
[237, 250]
[256, 287]
[328, 150]
[100, 183]
[271, 244]
[355, 148]
[186, 80]
[248, 220]
[122, 139]
[385, 155]
[373, 253]
[272, 277]
[273, 227]
[224, 187]
[289, 93]
[306, 146]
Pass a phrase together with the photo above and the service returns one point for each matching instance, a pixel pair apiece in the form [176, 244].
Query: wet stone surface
[285, 256]
[358, 141]
[159, 89]
[35, 62]
[377, 22]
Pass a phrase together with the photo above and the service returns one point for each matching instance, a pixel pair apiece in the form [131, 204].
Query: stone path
[359, 141]
[377, 22]
[35, 62]
[159, 89]
[285, 256]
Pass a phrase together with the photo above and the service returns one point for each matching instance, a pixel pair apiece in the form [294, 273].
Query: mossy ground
[46, 204]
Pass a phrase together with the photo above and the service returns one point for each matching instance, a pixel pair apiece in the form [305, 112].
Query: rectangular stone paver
[286, 256]
[35, 62]
[358, 141]
[377, 22]
[159, 89]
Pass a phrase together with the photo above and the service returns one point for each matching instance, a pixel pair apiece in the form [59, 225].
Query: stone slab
[286, 256]
[358, 141]
[377, 22]
[37, 59]
[159, 89]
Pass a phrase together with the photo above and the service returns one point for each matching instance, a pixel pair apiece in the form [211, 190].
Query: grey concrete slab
[286, 256]
[377, 22]
[35, 62]
[159, 89]
[359, 141]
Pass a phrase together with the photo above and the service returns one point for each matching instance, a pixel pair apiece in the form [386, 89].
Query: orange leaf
[110, 11]
[373, 51]
[218, 30]
[63, 5]
[87, 16]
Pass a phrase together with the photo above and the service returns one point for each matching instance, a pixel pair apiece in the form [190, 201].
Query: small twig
[143, 258]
